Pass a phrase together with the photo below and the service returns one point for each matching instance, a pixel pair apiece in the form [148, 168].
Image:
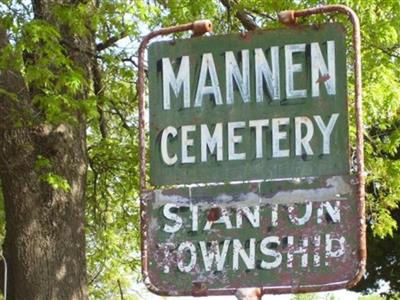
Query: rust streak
[213, 214]
[323, 78]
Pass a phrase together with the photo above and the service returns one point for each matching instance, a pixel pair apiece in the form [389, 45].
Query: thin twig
[120, 290]
[111, 41]
[260, 13]
[121, 116]
[97, 275]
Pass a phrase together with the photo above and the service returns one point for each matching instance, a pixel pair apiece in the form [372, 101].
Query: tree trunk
[45, 239]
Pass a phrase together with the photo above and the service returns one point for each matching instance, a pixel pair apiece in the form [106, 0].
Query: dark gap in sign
[328, 218]
[284, 242]
[258, 264]
[273, 246]
[183, 209]
[216, 272]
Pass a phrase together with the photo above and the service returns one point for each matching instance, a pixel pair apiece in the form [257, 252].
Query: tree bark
[45, 239]
[45, 242]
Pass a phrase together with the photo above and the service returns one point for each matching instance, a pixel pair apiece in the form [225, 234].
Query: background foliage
[112, 183]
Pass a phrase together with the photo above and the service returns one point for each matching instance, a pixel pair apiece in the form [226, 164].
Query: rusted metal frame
[198, 28]
[288, 17]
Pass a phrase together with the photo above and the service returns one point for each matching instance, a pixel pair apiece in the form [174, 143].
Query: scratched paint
[279, 235]
[260, 105]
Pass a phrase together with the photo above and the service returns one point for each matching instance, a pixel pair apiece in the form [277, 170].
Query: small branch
[246, 20]
[120, 290]
[99, 91]
[86, 51]
[131, 60]
[391, 52]
[111, 41]
[261, 14]
[96, 275]
[243, 17]
[121, 116]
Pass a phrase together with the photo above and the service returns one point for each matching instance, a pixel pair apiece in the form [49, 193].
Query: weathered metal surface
[281, 236]
[226, 87]
[289, 18]
[358, 220]
[198, 28]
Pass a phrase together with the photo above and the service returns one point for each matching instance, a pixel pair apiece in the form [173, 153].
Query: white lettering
[235, 139]
[208, 66]
[232, 72]
[182, 250]
[292, 68]
[186, 143]
[211, 142]
[303, 142]
[329, 252]
[318, 67]
[258, 125]
[264, 72]
[213, 253]
[333, 212]
[304, 219]
[253, 217]
[195, 217]
[238, 250]
[169, 80]
[168, 131]
[317, 248]
[300, 250]
[173, 217]
[326, 131]
[277, 136]
[277, 256]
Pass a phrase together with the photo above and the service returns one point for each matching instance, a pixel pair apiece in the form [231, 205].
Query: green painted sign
[281, 236]
[259, 105]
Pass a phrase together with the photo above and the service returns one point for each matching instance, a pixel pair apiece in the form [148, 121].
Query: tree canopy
[40, 41]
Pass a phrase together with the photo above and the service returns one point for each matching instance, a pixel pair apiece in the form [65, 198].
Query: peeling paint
[269, 234]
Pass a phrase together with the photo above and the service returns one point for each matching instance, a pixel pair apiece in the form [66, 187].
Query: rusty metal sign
[281, 236]
[257, 105]
[268, 108]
